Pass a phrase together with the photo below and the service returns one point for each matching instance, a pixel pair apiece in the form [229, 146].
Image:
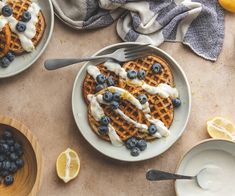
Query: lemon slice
[221, 128]
[68, 165]
[228, 5]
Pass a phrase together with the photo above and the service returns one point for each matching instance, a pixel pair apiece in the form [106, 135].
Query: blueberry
[116, 96]
[142, 98]
[19, 152]
[17, 146]
[2, 141]
[20, 27]
[12, 149]
[5, 62]
[2, 157]
[4, 148]
[100, 79]
[10, 142]
[131, 143]
[99, 87]
[10, 56]
[135, 152]
[7, 135]
[6, 165]
[103, 130]
[19, 163]
[26, 16]
[152, 129]
[157, 68]
[142, 145]
[110, 81]
[131, 74]
[4, 173]
[13, 156]
[176, 102]
[115, 105]
[13, 168]
[105, 120]
[8, 180]
[7, 11]
[141, 74]
[108, 96]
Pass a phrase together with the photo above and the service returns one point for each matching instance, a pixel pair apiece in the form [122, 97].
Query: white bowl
[25, 60]
[218, 155]
[156, 147]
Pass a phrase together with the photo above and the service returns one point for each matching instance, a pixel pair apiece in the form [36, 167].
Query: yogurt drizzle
[30, 32]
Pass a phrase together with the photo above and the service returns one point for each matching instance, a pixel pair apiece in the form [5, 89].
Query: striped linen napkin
[198, 24]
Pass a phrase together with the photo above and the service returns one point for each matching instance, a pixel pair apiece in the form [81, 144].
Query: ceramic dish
[154, 148]
[28, 179]
[216, 155]
[25, 60]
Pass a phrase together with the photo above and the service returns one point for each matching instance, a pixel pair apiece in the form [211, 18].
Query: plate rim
[169, 58]
[191, 149]
[43, 48]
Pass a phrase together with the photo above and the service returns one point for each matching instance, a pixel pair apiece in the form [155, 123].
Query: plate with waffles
[26, 27]
[135, 110]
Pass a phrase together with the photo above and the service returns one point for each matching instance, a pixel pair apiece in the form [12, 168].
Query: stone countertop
[42, 100]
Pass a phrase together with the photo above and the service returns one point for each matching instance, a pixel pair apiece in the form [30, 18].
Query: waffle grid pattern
[5, 39]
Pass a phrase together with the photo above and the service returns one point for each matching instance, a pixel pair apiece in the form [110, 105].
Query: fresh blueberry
[19, 153]
[135, 152]
[2, 157]
[20, 27]
[5, 62]
[10, 142]
[6, 165]
[26, 16]
[99, 87]
[131, 143]
[108, 96]
[4, 173]
[105, 120]
[13, 168]
[142, 145]
[2, 141]
[116, 96]
[7, 11]
[4, 148]
[110, 81]
[13, 156]
[142, 98]
[176, 102]
[103, 130]
[7, 135]
[10, 56]
[141, 74]
[152, 129]
[19, 163]
[131, 74]
[17, 146]
[8, 180]
[12, 149]
[115, 105]
[100, 79]
[157, 68]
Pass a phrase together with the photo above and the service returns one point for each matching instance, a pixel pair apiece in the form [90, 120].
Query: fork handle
[52, 64]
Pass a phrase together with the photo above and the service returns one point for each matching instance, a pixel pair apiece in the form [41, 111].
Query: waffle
[19, 7]
[89, 83]
[5, 39]
[161, 108]
[124, 129]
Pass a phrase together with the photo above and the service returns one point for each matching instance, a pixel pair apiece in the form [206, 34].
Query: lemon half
[228, 5]
[221, 128]
[68, 165]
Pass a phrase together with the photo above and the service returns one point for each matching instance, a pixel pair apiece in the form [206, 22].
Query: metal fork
[120, 55]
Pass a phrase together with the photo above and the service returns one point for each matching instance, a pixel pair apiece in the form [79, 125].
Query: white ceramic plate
[24, 61]
[209, 153]
[154, 148]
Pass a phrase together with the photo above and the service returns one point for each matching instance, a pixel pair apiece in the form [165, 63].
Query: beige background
[42, 100]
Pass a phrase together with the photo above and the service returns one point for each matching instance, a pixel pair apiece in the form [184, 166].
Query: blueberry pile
[135, 146]
[132, 74]
[112, 98]
[10, 158]
[6, 60]
[103, 82]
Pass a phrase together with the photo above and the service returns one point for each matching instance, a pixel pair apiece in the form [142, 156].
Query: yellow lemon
[221, 128]
[68, 165]
[228, 5]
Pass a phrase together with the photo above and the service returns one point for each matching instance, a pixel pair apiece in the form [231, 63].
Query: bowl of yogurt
[214, 160]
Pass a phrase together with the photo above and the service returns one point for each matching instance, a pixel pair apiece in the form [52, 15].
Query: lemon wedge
[228, 5]
[221, 128]
[68, 165]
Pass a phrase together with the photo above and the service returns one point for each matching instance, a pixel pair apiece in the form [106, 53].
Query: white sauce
[93, 71]
[216, 180]
[30, 32]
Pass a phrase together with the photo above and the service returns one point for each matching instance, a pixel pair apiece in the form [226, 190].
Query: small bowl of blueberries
[20, 159]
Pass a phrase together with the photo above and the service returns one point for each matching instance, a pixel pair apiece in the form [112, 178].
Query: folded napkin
[198, 24]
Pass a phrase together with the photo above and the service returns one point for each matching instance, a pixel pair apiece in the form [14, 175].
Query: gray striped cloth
[198, 24]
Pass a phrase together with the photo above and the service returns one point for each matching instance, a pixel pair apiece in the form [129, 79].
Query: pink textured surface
[42, 100]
